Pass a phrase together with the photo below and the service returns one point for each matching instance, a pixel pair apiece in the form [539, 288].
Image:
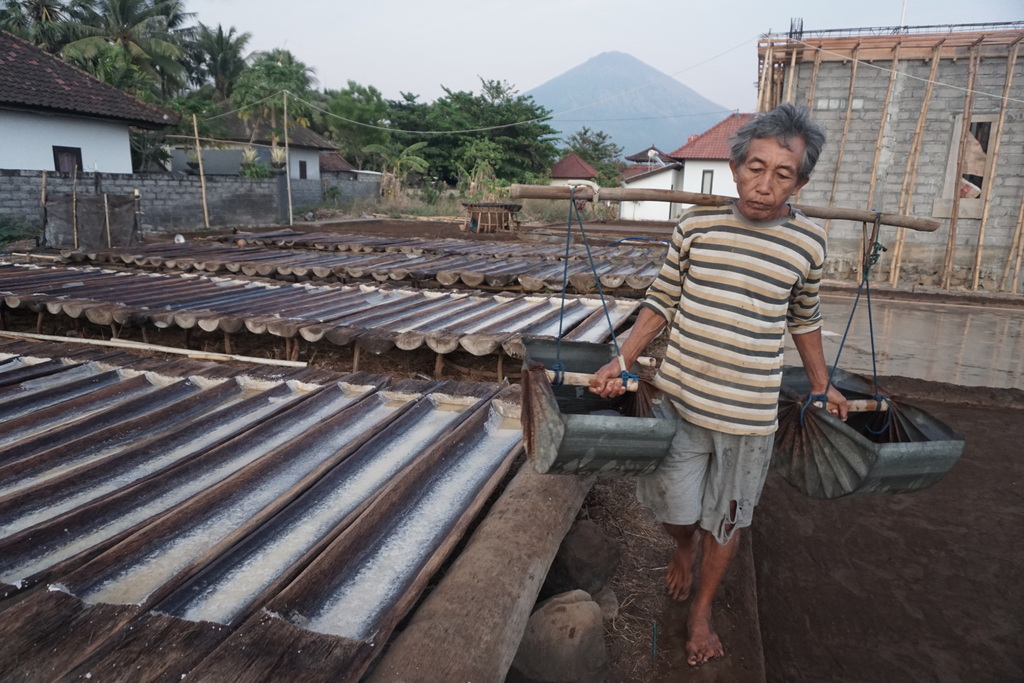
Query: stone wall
[924, 253]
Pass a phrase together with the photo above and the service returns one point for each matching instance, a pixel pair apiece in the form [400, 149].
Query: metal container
[904, 451]
[569, 430]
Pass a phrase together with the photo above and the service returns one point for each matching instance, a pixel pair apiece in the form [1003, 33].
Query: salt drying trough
[240, 540]
[527, 268]
[376, 319]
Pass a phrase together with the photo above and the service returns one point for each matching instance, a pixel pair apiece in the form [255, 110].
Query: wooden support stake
[846, 132]
[74, 205]
[39, 323]
[910, 174]
[42, 192]
[202, 174]
[355, 357]
[106, 218]
[438, 366]
[288, 161]
[227, 343]
[961, 163]
[501, 364]
[993, 157]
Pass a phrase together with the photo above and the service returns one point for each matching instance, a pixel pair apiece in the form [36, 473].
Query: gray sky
[417, 46]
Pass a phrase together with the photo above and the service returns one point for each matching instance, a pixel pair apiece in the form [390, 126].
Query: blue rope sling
[876, 251]
[558, 367]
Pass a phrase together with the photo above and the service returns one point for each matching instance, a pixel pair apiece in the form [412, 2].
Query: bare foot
[679, 577]
[703, 644]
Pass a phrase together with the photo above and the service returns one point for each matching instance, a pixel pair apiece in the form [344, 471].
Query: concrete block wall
[924, 252]
[169, 202]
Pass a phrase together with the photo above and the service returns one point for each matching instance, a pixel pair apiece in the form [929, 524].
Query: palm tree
[44, 23]
[398, 162]
[148, 31]
[218, 57]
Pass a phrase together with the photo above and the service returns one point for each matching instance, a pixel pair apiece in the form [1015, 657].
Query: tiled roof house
[705, 158]
[54, 116]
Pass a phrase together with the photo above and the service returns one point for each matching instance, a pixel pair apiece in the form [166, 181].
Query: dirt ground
[922, 586]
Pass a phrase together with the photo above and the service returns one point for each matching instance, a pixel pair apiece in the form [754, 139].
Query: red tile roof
[31, 79]
[332, 162]
[714, 143]
[572, 167]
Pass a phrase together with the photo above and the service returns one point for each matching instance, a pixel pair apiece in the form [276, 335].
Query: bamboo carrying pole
[622, 194]
[961, 163]
[202, 174]
[910, 174]
[993, 152]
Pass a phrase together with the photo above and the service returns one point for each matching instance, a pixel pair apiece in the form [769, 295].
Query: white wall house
[304, 147]
[54, 117]
[705, 158]
[647, 177]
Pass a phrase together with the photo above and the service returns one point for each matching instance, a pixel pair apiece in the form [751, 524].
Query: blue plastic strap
[811, 398]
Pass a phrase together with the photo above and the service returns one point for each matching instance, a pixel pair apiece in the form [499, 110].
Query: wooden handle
[866, 405]
[581, 379]
[623, 194]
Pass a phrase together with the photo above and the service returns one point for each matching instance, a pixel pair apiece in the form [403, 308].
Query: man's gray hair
[783, 123]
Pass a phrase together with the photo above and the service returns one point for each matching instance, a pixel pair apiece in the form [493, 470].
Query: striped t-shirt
[729, 289]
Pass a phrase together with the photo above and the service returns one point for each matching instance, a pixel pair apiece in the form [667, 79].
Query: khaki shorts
[704, 472]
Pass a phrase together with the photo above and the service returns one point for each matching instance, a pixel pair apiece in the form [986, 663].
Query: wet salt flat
[963, 344]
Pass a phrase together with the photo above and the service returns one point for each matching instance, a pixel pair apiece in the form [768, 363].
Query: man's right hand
[608, 381]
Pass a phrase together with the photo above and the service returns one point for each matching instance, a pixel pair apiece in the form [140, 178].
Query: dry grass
[639, 581]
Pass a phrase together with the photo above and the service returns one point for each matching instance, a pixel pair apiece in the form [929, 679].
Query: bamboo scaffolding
[873, 182]
[961, 162]
[846, 132]
[913, 158]
[763, 80]
[814, 77]
[1016, 251]
[1011, 62]
[791, 81]
[625, 194]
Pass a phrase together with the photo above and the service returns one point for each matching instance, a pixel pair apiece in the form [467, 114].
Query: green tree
[259, 91]
[499, 126]
[355, 105]
[44, 23]
[147, 31]
[398, 162]
[597, 149]
[217, 57]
